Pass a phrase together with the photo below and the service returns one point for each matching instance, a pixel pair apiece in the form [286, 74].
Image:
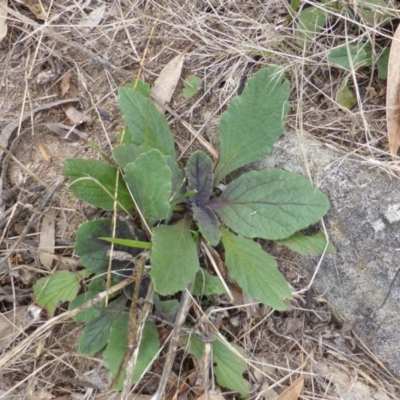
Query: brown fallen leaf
[165, 84]
[47, 239]
[44, 152]
[76, 117]
[3, 20]
[65, 84]
[393, 96]
[293, 391]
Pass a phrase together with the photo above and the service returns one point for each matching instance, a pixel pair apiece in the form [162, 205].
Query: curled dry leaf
[65, 84]
[393, 96]
[3, 20]
[13, 322]
[44, 152]
[47, 239]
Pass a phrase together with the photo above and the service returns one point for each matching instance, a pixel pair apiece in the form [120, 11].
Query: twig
[173, 346]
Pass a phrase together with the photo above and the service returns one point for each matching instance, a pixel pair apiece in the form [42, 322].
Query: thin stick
[173, 346]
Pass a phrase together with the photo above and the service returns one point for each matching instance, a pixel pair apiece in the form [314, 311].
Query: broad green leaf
[166, 309]
[199, 172]
[174, 259]
[382, 64]
[306, 245]
[355, 54]
[270, 204]
[149, 179]
[95, 334]
[128, 242]
[229, 366]
[141, 87]
[97, 284]
[255, 271]
[61, 286]
[375, 12]
[126, 153]
[207, 284]
[311, 22]
[116, 347]
[344, 96]
[88, 314]
[177, 180]
[208, 223]
[94, 182]
[192, 85]
[146, 124]
[253, 121]
[94, 252]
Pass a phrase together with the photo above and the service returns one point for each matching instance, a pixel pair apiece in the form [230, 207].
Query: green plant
[168, 212]
[191, 86]
[353, 52]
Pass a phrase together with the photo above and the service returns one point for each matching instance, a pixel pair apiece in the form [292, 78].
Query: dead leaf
[47, 239]
[393, 96]
[165, 84]
[65, 84]
[293, 391]
[76, 117]
[92, 19]
[44, 152]
[3, 20]
[13, 322]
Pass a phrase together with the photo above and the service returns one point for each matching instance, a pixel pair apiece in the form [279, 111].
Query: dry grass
[233, 40]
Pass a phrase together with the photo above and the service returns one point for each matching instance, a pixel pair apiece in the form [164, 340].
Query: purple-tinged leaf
[200, 177]
[208, 223]
[270, 204]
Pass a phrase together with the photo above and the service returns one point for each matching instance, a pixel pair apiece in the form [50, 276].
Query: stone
[364, 225]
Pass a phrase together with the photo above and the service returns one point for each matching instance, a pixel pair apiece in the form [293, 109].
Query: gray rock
[364, 225]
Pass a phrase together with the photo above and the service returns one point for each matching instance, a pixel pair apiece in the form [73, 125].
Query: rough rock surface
[364, 225]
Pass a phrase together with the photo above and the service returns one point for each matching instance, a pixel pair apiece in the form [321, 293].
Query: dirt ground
[55, 51]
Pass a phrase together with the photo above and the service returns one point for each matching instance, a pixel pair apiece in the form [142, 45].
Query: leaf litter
[227, 50]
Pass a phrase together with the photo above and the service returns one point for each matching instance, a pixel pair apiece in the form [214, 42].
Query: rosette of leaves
[175, 208]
